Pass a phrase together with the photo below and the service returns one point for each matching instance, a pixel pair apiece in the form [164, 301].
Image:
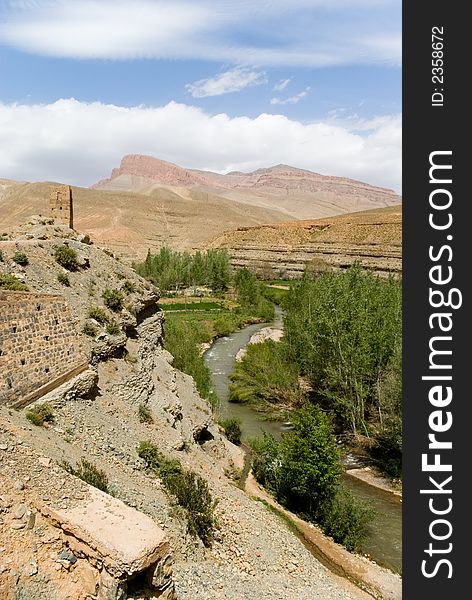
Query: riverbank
[372, 477]
[369, 577]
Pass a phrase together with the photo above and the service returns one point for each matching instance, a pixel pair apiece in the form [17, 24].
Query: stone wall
[60, 205]
[39, 346]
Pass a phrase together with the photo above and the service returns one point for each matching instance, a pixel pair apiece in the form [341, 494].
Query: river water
[384, 541]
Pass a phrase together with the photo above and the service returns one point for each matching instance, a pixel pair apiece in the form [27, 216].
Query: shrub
[232, 429]
[20, 258]
[145, 414]
[64, 279]
[303, 470]
[89, 329]
[1, 256]
[112, 327]
[40, 413]
[89, 473]
[66, 257]
[113, 299]
[128, 286]
[99, 314]
[12, 283]
[346, 519]
[189, 489]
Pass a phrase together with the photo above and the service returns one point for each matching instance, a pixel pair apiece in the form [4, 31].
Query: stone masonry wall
[38, 344]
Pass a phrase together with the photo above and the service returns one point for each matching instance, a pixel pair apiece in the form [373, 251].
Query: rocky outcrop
[283, 250]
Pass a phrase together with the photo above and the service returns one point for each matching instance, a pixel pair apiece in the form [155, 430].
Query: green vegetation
[267, 378]
[66, 257]
[20, 258]
[112, 327]
[387, 450]
[128, 286]
[63, 278]
[113, 299]
[12, 283]
[276, 295]
[99, 314]
[343, 329]
[183, 339]
[232, 429]
[188, 488]
[303, 471]
[191, 306]
[89, 329]
[172, 270]
[144, 414]
[89, 473]
[1, 256]
[40, 414]
[250, 295]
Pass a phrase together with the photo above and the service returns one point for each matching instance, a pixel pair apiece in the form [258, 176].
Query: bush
[20, 258]
[1, 256]
[12, 283]
[145, 414]
[40, 413]
[113, 299]
[303, 471]
[190, 490]
[346, 519]
[128, 287]
[89, 329]
[89, 473]
[112, 327]
[232, 429]
[64, 279]
[66, 257]
[99, 314]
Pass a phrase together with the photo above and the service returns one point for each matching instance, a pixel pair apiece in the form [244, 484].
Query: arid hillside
[282, 250]
[297, 193]
[130, 223]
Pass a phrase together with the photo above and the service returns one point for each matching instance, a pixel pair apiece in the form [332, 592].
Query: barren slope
[283, 249]
[130, 223]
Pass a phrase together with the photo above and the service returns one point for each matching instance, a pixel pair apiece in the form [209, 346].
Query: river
[384, 541]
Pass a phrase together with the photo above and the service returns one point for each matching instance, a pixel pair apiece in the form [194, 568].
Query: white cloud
[291, 99]
[79, 143]
[315, 32]
[283, 83]
[234, 80]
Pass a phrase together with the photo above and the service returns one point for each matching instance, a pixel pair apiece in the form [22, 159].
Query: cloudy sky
[209, 84]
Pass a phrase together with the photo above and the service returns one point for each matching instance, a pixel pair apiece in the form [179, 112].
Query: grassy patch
[63, 279]
[12, 283]
[144, 414]
[40, 413]
[20, 258]
[66, 257]
[113, 299]
[89, 473]
[188, 488]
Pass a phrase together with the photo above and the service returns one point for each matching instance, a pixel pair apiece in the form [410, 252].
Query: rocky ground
[254, 554]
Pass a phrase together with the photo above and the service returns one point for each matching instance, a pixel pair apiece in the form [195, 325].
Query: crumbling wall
[39, 346]
[61, 207]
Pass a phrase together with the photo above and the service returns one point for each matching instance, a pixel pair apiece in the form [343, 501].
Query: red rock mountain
[296, 192]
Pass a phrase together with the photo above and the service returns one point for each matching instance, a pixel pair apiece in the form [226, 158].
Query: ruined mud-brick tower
[60, 204]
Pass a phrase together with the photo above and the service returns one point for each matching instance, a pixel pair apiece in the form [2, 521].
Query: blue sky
[206, 84]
